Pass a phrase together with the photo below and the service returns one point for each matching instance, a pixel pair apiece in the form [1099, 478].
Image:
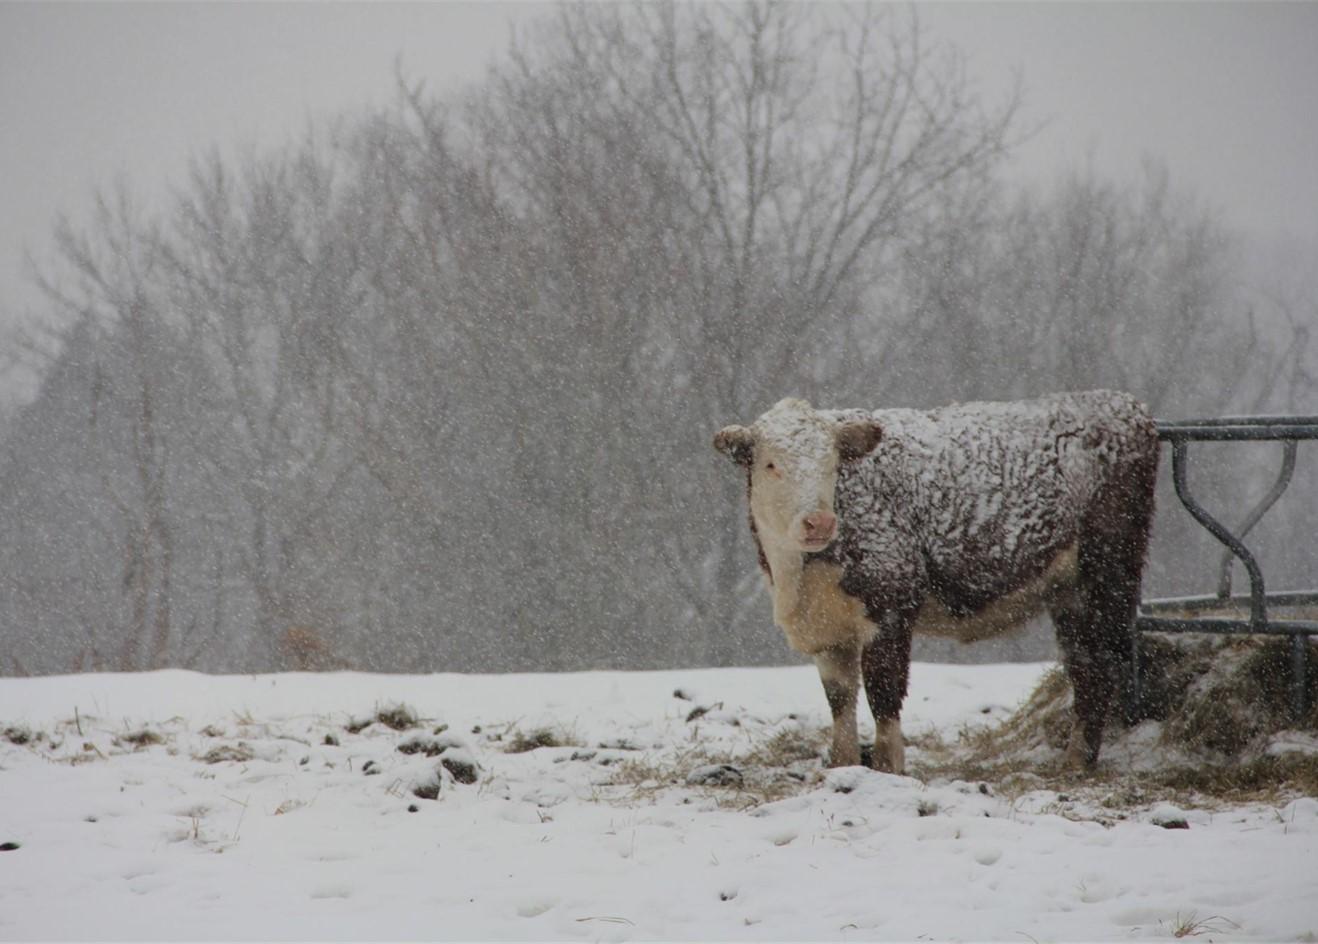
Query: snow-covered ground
[233, 818]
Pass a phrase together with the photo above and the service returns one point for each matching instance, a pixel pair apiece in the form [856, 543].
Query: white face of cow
[793, 452]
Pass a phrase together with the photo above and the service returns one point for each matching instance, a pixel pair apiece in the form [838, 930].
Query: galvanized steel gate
[1185, 614]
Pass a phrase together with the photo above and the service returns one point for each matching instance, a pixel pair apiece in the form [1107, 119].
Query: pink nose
[819, 526]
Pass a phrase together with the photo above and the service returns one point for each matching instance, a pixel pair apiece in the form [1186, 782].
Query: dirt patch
[461, 768]
[429, 790]
[17, 734]
[420, 744]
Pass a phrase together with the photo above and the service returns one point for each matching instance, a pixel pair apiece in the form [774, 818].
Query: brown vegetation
[1209, 711]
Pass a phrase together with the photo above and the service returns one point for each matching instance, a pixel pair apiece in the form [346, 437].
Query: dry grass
[1216, 702]
[399, 717]
[142, 738]
[239, 753]
[1267, 779]
[518, 741]
[789, 746]
[1192, 925]
[1243, 696]
[420, 744]
[778, 766]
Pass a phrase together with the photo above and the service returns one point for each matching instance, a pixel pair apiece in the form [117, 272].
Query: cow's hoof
[1079, 758]
[889, 751]
[884, 764]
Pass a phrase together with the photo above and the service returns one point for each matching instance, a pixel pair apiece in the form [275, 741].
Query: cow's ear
[855, 440]
[737, 443]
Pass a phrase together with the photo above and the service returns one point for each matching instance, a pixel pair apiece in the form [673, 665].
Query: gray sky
[1225, 93]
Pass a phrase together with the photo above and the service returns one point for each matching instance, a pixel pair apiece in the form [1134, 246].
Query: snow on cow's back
[1003, 475]
[988, 444]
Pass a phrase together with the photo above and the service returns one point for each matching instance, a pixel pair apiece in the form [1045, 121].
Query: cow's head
[792, 455]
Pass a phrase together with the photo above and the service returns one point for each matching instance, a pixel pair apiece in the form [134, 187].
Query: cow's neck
[786, 566]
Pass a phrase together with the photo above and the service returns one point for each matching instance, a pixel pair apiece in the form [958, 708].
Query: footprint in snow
[331, 891]
[533, 908]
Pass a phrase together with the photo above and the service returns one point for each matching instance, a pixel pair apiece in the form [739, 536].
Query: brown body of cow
[963, 521]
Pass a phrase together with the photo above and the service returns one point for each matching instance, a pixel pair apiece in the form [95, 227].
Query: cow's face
[792, 455]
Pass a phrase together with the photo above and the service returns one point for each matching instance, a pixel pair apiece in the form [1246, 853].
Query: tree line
[432, 388]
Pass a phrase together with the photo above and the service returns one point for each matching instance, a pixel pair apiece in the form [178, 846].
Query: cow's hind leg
[839, 670]
[1092, 652]
[1095, 626]
[885, 664]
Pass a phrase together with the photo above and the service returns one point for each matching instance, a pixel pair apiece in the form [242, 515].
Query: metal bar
[1283, 598]
[1286, 429]
[1251, 519]
[1299, 675]
[1236, 433]
[1136, 682]
[1258, 605]
[1241, 421]
[1228, 627]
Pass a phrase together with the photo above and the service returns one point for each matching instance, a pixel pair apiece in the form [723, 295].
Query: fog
[393, 336]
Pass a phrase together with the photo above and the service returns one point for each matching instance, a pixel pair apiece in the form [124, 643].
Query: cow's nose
[819, 525]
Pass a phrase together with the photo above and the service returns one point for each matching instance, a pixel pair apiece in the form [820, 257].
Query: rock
[715, 775]
[1168, 817]
[461, 766]
[421, 744]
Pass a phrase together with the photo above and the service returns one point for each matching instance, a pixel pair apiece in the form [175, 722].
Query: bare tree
[254, 270]
[435, 388]
[722, 183]
[115, 294]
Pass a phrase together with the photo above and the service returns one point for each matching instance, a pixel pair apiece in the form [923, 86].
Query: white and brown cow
[963, 521]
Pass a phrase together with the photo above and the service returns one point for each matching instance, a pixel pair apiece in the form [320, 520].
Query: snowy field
[179, 806]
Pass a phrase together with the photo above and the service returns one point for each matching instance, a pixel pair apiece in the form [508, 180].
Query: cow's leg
[885, 664]
[839, 670]
[1092, 667]
[1096, 627]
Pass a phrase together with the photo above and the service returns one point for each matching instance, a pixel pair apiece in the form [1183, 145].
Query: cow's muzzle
[818, 530]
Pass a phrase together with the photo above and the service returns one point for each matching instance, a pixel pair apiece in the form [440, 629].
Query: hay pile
[1214, 715]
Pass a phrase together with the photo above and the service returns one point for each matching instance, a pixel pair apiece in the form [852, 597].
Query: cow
[962, 521]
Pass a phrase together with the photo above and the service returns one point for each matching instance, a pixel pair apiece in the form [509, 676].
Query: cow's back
[987, 497]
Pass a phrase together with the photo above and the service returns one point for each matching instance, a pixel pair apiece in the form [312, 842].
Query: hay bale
[1214, 699]
[1241, 697]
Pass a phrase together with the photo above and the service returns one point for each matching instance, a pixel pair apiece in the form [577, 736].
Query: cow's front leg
[839, 670]
[885, 665]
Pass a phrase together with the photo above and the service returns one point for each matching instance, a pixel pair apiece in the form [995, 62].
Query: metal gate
[1205, 614]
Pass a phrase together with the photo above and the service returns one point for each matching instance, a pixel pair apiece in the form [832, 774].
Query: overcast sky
[1226, 94]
